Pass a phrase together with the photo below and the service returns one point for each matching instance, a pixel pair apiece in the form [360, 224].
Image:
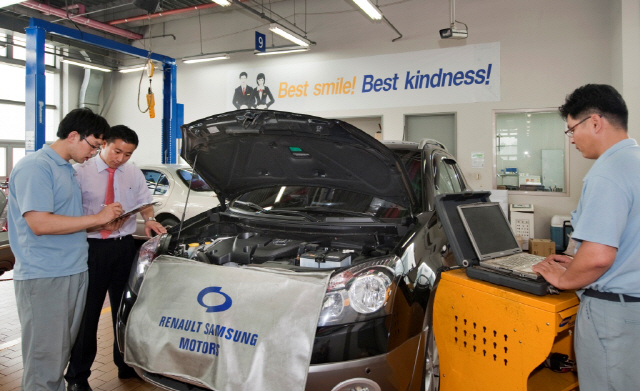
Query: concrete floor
[104, 374]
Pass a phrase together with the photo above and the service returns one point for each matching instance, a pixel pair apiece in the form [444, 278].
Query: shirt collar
[101, 165]
[46, 149]
[629, 142]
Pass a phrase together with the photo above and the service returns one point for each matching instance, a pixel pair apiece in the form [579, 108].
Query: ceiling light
[134, 68]
[86, 65]
[280, 51]
[288, 34]
[5, 3]
[370, 9]
[223, 3]
[205, 58]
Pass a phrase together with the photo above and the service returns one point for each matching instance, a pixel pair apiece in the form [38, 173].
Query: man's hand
[109, 213]
[551, 269]
[591, 261]
[116, 225]
[155, 227]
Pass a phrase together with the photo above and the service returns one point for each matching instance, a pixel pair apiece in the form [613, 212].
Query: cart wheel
[431, 365]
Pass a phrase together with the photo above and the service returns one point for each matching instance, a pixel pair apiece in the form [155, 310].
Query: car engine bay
[260, 248]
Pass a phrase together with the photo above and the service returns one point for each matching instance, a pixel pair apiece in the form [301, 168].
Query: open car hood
[244, 150]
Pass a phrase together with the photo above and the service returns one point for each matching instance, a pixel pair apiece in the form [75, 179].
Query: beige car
[169, 184]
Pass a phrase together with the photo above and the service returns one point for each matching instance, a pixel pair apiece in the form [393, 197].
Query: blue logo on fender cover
[215, 308]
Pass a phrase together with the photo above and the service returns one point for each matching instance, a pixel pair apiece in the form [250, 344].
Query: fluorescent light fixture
[223, 3]
[288, 34]
[134, 68]
[6, 3]
[370, 9]
[86, 65]
[205, 58]
[280, 51]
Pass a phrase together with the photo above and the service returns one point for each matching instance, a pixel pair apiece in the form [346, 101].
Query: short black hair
[243, 74]
[122, 132]
[85, 122]
[596, 99]
[260, 76]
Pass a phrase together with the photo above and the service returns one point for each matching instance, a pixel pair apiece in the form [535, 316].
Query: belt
[611, 296]
[117, 238]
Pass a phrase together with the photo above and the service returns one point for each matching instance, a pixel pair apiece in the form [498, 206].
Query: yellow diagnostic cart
[495, 338]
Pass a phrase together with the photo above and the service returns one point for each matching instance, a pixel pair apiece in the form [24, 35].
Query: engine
[256, 248]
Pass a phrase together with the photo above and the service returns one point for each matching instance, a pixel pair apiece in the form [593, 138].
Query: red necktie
[108, 198]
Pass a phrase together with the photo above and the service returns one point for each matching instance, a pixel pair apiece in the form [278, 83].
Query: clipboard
[133, 211]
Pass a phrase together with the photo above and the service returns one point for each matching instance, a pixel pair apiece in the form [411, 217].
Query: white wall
[548, 48]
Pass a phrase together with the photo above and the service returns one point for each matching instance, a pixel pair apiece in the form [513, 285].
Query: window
[411, 161]
[163, 186]
[447, 177]
[12, 93]
[531, 151]
[3, 48]
[157, 182]
[20, 53]
[198, 184]
[10, 153]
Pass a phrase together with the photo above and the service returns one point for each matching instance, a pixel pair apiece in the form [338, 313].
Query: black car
[339, 201]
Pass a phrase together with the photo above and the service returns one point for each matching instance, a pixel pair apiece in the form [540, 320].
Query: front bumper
[401, 369]
[343, 358]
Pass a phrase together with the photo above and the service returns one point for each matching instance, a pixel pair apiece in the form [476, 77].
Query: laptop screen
[488, 228]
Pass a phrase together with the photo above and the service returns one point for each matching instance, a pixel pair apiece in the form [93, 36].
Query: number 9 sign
[260, 42]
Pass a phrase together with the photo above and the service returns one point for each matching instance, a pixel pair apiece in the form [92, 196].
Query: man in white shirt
[103, 178]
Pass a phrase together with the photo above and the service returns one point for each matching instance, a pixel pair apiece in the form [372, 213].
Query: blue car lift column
[35, 83]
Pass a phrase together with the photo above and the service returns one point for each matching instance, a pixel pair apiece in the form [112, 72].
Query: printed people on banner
[242, 95]
[261, 98]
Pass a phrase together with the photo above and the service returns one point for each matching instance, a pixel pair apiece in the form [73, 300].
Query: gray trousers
[50, 312]
[607, 345]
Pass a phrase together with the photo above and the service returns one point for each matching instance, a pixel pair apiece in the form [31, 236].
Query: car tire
[169, 222]
[431, 364]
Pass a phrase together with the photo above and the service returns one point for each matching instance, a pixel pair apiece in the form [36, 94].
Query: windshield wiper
[282, 212]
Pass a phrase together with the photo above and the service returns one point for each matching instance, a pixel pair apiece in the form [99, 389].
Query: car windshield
[197, 185]
[317, 200]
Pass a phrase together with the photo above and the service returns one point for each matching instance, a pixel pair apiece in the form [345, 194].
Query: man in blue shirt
[606, 266]
[47, 233]
[111, 252]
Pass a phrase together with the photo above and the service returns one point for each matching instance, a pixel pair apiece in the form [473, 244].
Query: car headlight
[147, 253]
[362, 292]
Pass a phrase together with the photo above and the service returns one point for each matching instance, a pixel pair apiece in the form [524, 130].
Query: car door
[159, 186]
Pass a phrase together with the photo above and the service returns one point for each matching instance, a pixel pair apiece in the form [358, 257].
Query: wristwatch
[150, 219]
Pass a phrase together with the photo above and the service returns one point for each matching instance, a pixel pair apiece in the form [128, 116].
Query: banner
[228, 328]
[443, 76]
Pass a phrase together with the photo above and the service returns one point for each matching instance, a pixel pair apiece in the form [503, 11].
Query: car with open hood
[305, 194]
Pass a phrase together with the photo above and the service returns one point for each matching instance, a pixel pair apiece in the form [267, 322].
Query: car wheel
[169, 222]
[431, 365]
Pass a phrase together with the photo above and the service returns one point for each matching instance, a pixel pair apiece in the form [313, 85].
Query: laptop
[494, 242]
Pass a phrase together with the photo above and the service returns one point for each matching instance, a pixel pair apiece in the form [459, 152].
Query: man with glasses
[47, 233]
[103, 179]
[606, 266]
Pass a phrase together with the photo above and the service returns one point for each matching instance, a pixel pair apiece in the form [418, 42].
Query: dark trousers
[109, 266]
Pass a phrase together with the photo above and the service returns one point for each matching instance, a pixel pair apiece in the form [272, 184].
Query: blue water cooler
[560, 230]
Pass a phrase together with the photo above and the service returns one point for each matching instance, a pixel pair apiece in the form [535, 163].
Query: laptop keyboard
[517, 260]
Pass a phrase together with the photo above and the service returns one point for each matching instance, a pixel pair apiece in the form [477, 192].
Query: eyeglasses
[96, 147]
[569, 132]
